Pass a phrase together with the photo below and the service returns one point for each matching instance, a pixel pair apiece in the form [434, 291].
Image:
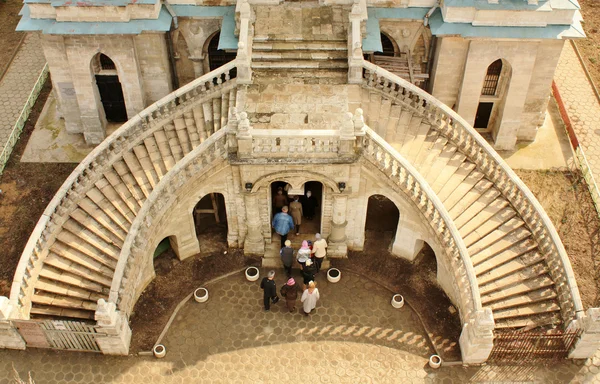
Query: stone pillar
[184, 242]
[347, 137]
[589, 341]
[477, 337]
[9, 336]
[198, 63]
[254, 242]
[115, 334]
[338, 246]
[244, 137]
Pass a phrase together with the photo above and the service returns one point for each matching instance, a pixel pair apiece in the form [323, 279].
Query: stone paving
[355, 336]
[581, 104]
[17, 83]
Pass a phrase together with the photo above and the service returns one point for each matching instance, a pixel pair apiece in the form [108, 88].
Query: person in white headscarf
[309, 298]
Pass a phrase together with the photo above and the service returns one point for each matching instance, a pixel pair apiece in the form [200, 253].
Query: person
[283, 224]
[296, 212]
[309, 298]
[290, 292]
[269, 290]
[280, 200]
[309, 205]
[303, 254]
[308, 272]
[287, 257]
[319, 250]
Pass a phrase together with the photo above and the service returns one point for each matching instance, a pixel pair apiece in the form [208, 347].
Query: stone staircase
[79, 267]
[512, 274]
[271, 258]
[300, 43]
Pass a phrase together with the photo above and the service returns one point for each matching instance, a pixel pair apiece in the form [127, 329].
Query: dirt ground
[565, 198]
[26, 190]
[590, 47]
[9, 38]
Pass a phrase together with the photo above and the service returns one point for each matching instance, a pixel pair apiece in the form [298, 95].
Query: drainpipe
[170, 47]
[429, 13]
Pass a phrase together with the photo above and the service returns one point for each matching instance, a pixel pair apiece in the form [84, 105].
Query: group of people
[290, 291]
[289, 217]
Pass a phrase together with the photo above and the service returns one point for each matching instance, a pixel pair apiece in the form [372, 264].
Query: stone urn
[201, 295]
[435, 361]
[252, 273]
[397, 301]
[333, 275]
[159, 351]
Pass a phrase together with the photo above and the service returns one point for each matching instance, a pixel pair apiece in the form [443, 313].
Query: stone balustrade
[469, 142]
[381, 154]
[135, 265]
[90, 170]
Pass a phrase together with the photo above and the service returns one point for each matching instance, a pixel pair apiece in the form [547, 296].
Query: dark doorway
[382, 219]
[111, 95]
[218, 57]
[210, 220]
[482, 117]
[426, 262]
[312, 219]
[164, 257]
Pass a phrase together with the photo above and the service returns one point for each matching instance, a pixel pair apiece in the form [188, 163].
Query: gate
[59, 334]
[111, 96]
[523, 348]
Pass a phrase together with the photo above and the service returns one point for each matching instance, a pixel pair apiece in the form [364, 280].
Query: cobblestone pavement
[355, 336]
[581, 104]
[17, 83]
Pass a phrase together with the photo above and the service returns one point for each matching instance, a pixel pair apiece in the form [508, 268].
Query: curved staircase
[87, 229]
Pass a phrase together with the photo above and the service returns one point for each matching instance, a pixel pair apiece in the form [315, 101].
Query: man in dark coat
[309, 205]
[287, 257]
[269, 289]
[308, 272]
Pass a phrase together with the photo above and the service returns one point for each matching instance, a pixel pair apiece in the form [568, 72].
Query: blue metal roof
[439, 28]
[132, 27]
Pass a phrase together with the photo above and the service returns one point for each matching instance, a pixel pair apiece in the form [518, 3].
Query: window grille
[106, 63]
[490, 84]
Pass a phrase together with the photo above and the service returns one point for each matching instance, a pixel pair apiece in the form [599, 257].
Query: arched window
[106, 63]
[218, 57]
[492, 77]
[388, 46]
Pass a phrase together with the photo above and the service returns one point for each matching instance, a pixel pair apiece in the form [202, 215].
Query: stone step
[426, 148]
[507, 229]
[87, 242]
[524, 299]
[275, 262]
[519, 288]
[301, 64]
[83, 219]
[78, 270]
[439, 162]
[269, 56]
[456, 195]
[504, 244]
[51, 273]
[328, 76]
[468, 212]
[530, 310]
[539, 320]
[434, 153]
[53, 300]
[488, 219]
[141, 152]
[66, 252]
[528, 266]
[267, 44]
[459, 178]
[512, 252]
[61, 289]
[43, 310]
[84, 251]
[111, 219]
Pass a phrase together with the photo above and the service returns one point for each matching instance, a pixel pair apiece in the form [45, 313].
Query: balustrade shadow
[355, 310]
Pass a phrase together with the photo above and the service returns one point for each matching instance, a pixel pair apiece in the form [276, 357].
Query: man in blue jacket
[283, 224]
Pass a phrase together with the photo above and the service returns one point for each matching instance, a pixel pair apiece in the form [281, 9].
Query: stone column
[244, 137]
[254, 242]
[115, 334]
[477, 337]
[198, 62]
[589, 342]
[347, 137]
[338, 246]
[9, 336]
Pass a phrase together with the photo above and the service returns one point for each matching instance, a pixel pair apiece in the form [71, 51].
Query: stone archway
[210, 223]
[108, 86]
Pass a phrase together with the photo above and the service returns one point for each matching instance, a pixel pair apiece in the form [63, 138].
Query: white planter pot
[435, 361]
[333, 275]
[252, 273]
[397, 301]
[201, 295]
[159, 351]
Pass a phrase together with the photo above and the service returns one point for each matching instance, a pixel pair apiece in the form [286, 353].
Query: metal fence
[523, 348]
[18, 127]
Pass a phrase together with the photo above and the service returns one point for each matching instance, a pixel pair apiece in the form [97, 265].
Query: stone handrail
[287, 143]
[469, 142]
[91, 168]
[403, 174]
[136, 245]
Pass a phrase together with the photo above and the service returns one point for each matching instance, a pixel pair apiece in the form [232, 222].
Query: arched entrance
[382, 221]
[218, 57]
[210, 221]
[164, 257]
[283, 193]
[493, 96]
[109, 88]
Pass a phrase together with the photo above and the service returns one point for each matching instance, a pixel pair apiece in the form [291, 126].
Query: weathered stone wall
[191, 42]
[448, 68]
[153, 57]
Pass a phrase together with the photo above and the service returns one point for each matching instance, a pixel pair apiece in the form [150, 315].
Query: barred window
[490, 84]
[106, 63]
